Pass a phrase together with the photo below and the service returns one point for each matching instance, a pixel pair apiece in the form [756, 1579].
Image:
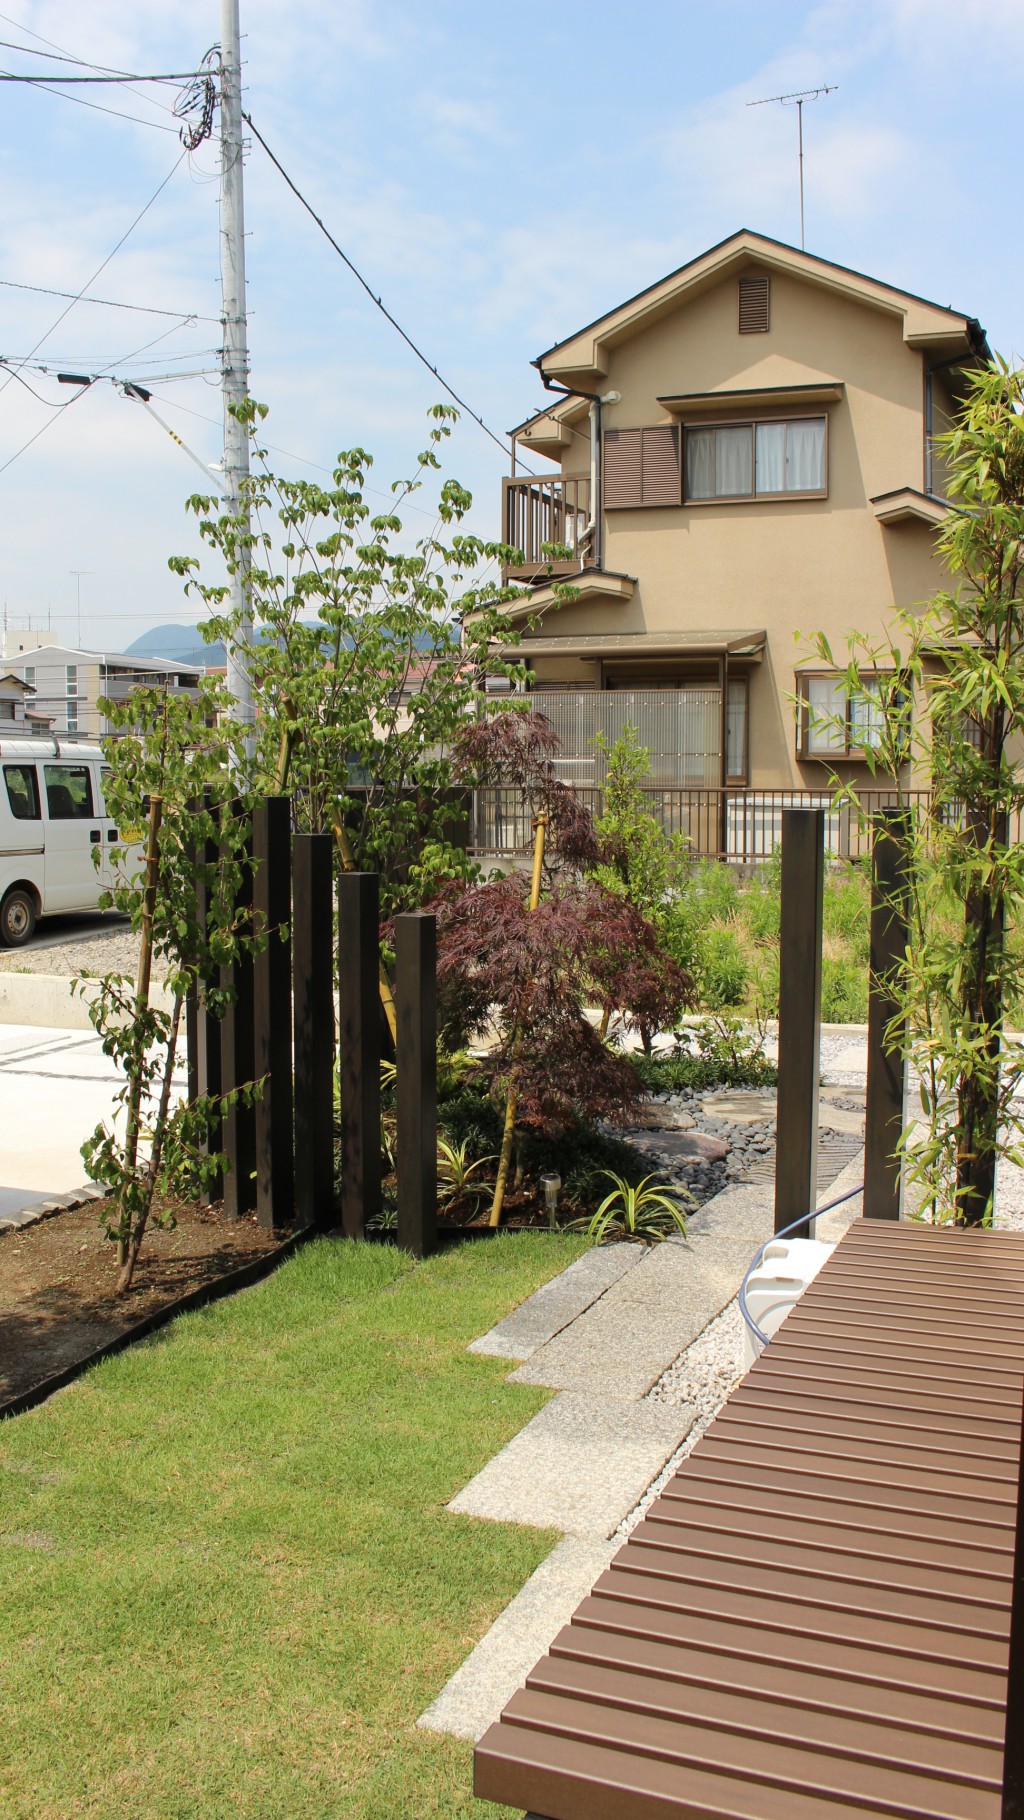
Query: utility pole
[78, 573]
[798, 99]
[234, 352]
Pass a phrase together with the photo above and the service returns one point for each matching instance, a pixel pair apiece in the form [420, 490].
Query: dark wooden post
[238, 1052]
[272, 988]
[209, 1075]
[359, 1048]
[313, 971]
[883, 1119]
[803, 884]
[416, 1081]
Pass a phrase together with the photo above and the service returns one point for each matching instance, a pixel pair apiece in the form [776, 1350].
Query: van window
[22, 792]
[68, 792]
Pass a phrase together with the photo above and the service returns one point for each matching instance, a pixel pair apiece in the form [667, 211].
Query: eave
[905, 505]
[752, 398]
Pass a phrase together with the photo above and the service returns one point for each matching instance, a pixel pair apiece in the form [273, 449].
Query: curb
[46, 999]
[65, 1203]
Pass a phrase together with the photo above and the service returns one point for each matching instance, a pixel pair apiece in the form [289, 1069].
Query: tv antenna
[797, 99]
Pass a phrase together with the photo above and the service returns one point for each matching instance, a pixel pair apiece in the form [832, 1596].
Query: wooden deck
[813, 1618]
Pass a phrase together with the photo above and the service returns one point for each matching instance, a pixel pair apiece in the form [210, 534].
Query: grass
[230, 1585]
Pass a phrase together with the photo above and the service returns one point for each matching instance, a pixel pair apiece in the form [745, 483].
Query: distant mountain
[179, 644]
[184, 645]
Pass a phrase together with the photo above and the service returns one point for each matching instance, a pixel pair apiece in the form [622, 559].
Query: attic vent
[753, 306]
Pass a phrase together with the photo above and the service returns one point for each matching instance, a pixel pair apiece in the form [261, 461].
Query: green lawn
[229, 1584]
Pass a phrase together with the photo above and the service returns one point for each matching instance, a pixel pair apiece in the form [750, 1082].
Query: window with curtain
[755, 460]
[833, 724]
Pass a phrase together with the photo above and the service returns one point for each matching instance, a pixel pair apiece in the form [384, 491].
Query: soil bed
[57, 1301]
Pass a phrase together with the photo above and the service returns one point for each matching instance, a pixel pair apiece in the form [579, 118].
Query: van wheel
[17, 918]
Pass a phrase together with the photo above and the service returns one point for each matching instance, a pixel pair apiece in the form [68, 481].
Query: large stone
[622, 1345]
[555, 1304]
[665, 1118]
[526, 1629]
[688, 1146]
[579, 1466]
[741, 1106]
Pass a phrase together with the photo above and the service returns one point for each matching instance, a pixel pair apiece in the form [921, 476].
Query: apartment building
[69, 683]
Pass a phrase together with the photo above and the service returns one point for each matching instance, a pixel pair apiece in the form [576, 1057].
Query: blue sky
[502, 174]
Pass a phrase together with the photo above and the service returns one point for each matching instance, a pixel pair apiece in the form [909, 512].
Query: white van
[52, 821]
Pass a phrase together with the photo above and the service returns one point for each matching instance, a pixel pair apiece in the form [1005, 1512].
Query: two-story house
[745, 454]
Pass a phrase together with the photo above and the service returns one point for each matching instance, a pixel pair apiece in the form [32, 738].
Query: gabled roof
[925, 324]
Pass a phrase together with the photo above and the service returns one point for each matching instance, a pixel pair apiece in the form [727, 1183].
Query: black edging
[242, 1278]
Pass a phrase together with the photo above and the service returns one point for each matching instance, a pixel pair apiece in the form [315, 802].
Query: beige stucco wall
[797, 566]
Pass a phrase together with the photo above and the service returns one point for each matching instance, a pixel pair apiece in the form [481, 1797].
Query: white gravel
[116, 951]
[702, 1376]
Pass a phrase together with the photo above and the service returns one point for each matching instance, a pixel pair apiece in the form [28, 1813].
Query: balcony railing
[536, 512]
[736, 824]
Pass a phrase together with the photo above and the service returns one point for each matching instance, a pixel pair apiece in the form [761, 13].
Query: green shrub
[846, 910]
[581, 1155]
[722, 970]
[844, 992]
[725, 1055]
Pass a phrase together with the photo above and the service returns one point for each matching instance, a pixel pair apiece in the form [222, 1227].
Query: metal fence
[737, 824]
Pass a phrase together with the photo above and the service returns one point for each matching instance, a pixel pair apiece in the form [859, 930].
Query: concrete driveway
[55, 1088]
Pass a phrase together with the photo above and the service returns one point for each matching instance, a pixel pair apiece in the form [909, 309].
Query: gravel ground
[117, 951]
[703, 1376]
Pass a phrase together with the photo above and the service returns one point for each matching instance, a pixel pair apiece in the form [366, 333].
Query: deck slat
[811, 1621]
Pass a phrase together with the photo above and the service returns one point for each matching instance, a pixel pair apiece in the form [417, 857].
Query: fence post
[359, 1048]
[416, 1081]
[883, 1115]
[209, 1073]
[272, 1007]
[313, 971]
[238, 1053]
[796, 1145]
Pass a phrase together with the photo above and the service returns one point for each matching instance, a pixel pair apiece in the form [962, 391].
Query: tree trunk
[139, 1230]
[508, 1134]
[131, 1137]
[978, 1096]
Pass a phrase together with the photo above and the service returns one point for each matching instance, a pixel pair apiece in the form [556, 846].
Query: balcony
[536, 512]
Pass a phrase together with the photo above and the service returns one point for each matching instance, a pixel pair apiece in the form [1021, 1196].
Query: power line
[167, 76]
[174, 405]
[43, 290]
[499, 441]
[105, 69]
[100, 268]
[116, 113]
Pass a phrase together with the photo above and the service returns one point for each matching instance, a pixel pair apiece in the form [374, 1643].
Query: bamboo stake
[131, 1139]
[348, 864]
[508, 1133]
[124, 1280]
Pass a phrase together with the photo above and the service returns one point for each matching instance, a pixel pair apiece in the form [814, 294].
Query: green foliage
[942, 699]
[722, 972]
[460, 1181]
[366, 655]
[638, 859]
[844, 992]
[636, 1210]
[181, 751]
[724, 1052]
[580, 1154]
[179, 1511]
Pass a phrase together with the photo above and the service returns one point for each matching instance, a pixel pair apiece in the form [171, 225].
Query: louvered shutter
[753, 305]
[623, 467]
[662, 471]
